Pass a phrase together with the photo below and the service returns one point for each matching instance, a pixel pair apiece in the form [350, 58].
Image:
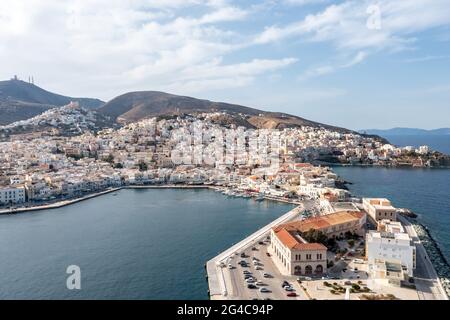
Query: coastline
[64, 203]
[374, 165]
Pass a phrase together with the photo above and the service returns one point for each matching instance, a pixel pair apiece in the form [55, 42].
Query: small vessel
[260, 197]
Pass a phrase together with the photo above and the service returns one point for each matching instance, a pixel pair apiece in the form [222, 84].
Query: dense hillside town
[73, 156]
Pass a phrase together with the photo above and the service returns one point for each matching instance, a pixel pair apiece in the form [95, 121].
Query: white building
[12, 195]
[393, 247]
[379, 209]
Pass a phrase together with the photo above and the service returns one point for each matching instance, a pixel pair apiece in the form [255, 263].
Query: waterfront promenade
[63, 203]
[58, 204]
[219, 286]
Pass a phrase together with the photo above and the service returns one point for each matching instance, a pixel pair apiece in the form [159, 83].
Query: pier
[218, 288]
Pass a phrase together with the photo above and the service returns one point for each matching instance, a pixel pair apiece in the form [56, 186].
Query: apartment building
[12, 195]
[393, 247]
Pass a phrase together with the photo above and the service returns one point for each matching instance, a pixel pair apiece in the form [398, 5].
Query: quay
[58, 204]
[218, 288]
[63, 203]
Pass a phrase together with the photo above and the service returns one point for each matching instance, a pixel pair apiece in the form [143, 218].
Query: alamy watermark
[374, 20]
[73, 281]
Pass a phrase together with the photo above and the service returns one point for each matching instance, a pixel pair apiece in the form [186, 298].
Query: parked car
[266, 275]
[254, 249]
[259, 283]
[261, 242]
[268, 254]
[259, 268]
[251, 286]
[291, 294]
[289, 288]
[285, 283]
[263, 289]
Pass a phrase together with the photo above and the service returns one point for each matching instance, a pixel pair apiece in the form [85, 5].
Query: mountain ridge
[20, 100]
[138, 105]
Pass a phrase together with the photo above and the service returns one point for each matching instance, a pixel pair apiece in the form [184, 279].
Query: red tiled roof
[292, 242]
[321, 222]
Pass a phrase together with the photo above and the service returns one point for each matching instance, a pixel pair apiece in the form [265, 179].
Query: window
[308, 257]
[319, 256]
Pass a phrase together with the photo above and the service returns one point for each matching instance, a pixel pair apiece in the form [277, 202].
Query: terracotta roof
[321, 222]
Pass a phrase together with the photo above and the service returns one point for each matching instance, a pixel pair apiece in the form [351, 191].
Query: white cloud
[427, 58]
[328, 69]
[345, 24]
[304, 2]
[104, 47]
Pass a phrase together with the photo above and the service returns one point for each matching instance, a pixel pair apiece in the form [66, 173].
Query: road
[425, 278]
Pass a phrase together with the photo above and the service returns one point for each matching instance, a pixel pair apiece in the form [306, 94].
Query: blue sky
[356, 64]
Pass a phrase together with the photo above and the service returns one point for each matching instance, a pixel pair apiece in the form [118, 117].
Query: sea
[135, 244]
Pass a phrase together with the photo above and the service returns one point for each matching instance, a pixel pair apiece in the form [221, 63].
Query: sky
[356, 64]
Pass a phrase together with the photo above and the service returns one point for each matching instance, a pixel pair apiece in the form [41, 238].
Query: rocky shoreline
[439, 261]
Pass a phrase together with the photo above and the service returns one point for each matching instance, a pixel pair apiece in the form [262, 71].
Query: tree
[142, 166]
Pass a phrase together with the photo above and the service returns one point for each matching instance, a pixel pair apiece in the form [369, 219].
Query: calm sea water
[439, 142]
[425, 191]
[140, 244]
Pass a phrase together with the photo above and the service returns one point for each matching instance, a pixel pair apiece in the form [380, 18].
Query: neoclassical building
[294, 256]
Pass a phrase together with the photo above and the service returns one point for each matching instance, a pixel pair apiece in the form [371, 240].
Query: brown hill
[135, 106]
[20, 100]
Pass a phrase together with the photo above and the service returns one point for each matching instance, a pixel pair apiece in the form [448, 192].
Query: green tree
[142, 166]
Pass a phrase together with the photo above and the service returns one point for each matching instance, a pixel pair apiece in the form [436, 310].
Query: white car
[289, 288]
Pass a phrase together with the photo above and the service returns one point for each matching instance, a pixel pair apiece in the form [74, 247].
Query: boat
[260, 197]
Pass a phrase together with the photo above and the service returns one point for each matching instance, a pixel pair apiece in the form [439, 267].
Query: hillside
[21, 100]
[135, 106]
[67, 120]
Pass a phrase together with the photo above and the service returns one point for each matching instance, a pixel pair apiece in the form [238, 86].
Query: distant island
[407, 132]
